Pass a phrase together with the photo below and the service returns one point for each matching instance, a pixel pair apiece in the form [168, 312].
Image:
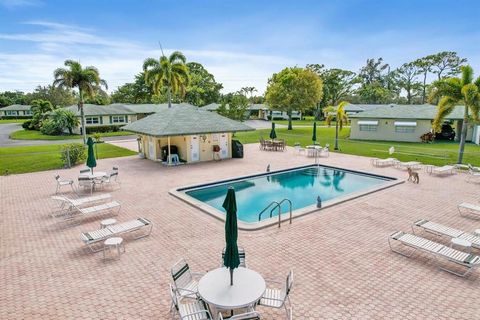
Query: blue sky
[241, 42]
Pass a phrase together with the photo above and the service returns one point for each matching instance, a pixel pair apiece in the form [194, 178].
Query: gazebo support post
[169, 157]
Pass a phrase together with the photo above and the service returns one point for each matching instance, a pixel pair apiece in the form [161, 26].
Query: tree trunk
[169, 94]
[289, 120]
[336, 134]
[82, 115]
[463, 136]
[424, 87]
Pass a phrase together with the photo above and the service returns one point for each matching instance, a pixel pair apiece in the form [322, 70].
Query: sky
[242, 43]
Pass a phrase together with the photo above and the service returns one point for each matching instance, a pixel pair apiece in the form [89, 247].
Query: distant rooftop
[406, 111]
[17, 107]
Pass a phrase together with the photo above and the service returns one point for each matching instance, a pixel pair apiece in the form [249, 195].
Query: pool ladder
[274, 205]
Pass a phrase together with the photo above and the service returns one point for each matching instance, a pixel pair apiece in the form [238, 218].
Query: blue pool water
[302, 186]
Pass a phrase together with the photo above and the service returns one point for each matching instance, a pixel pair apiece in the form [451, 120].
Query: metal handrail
[279, 206]
[265, 209]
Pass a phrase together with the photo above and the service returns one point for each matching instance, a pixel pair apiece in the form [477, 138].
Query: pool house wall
[152, 146]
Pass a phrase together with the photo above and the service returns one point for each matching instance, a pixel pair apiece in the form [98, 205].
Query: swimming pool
[300, 185]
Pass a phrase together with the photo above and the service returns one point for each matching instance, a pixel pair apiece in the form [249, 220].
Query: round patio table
[94, 175]
[215, 289]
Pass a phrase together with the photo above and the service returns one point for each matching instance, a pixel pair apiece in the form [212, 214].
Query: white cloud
[118, 60]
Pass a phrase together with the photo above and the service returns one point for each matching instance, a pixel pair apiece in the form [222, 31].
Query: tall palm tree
[167, 72]
[451, 92]
[249, 90]
[86, 80]
[341, 118]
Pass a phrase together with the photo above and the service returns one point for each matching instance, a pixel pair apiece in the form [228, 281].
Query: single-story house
[394, 122]
[116, 114]
[476, 135]
[16, 110]
[259, 111]
[190, 132]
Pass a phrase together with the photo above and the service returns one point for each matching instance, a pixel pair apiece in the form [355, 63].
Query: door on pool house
[223, 145]
[194, 149]
[151, 150]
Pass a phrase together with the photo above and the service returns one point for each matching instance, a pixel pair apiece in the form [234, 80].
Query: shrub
[97, 137]
[101, 129]
[50, 127]
[27, 125]
[76, 151]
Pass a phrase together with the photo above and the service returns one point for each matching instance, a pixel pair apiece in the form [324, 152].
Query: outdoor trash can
[237, 149]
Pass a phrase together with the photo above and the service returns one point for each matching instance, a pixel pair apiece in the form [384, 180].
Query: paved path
[8, 128]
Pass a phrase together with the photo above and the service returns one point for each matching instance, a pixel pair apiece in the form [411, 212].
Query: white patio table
[215, 289]
[94, 175]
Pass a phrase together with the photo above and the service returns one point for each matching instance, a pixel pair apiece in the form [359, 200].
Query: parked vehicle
[447, 133]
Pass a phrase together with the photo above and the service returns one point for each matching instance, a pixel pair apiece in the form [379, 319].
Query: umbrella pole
[231, 276]
[169, 157]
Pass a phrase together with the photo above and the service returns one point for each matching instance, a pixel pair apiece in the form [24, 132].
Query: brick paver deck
[343, 266]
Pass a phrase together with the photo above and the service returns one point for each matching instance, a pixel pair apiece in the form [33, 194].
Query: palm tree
[341, 118]
[171, 72]
[249, 90]
[86, 80]
[40, 109]
[451, 92]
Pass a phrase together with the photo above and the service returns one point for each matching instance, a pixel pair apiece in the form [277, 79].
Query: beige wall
[386, 130]
[183, 144]
[105, 121]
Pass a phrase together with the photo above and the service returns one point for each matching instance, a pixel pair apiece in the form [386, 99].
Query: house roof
[406, 111]
[211, 107]
[17, 107]
[98, 110]
[184, 119]
[215, 106]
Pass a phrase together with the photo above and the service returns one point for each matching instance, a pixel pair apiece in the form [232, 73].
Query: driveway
[8, 128]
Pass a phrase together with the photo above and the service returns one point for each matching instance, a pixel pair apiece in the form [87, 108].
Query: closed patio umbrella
[91, 163]
[314, 136]
[231, 259]
[273, 134]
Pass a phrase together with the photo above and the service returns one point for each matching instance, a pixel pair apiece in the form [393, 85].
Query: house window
[404, 129]
[368, 127]
[118, 119]
[28, 112]
[92, 120]
[10, 113]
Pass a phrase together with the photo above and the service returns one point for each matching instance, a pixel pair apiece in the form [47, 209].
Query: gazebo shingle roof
[184, 119]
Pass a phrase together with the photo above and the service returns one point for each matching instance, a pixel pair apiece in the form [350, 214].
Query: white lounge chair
[252, 315]
[469, 209]
[63, 182]
[275, 297]
[414, 165]
[383, 162]
[93, 237]
[78, 210]
[196, 310]
[67, 204]
[448, 169]
[185, 283]
[441, 230]
[439, 251]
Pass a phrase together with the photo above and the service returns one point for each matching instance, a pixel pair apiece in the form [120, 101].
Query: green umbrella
[273, 135]
[314, 136]
[231, 259]
[91, 163]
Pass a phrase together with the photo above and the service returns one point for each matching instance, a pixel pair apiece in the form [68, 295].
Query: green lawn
[39, 158]
[37, 135]
[438, 153]
[12, 120]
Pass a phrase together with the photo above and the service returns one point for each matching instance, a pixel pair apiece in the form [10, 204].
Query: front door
[223, 145]
[194, 149]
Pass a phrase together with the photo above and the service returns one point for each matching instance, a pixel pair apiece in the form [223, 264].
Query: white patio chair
[196, 310]
[185, 283]
[241, 255]
[63, 182]
[86, 170]
[439, 251]
[443, 170]
[278, 297]
[252, 315]
[68, 204]
[298, 148]
[86, 183]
